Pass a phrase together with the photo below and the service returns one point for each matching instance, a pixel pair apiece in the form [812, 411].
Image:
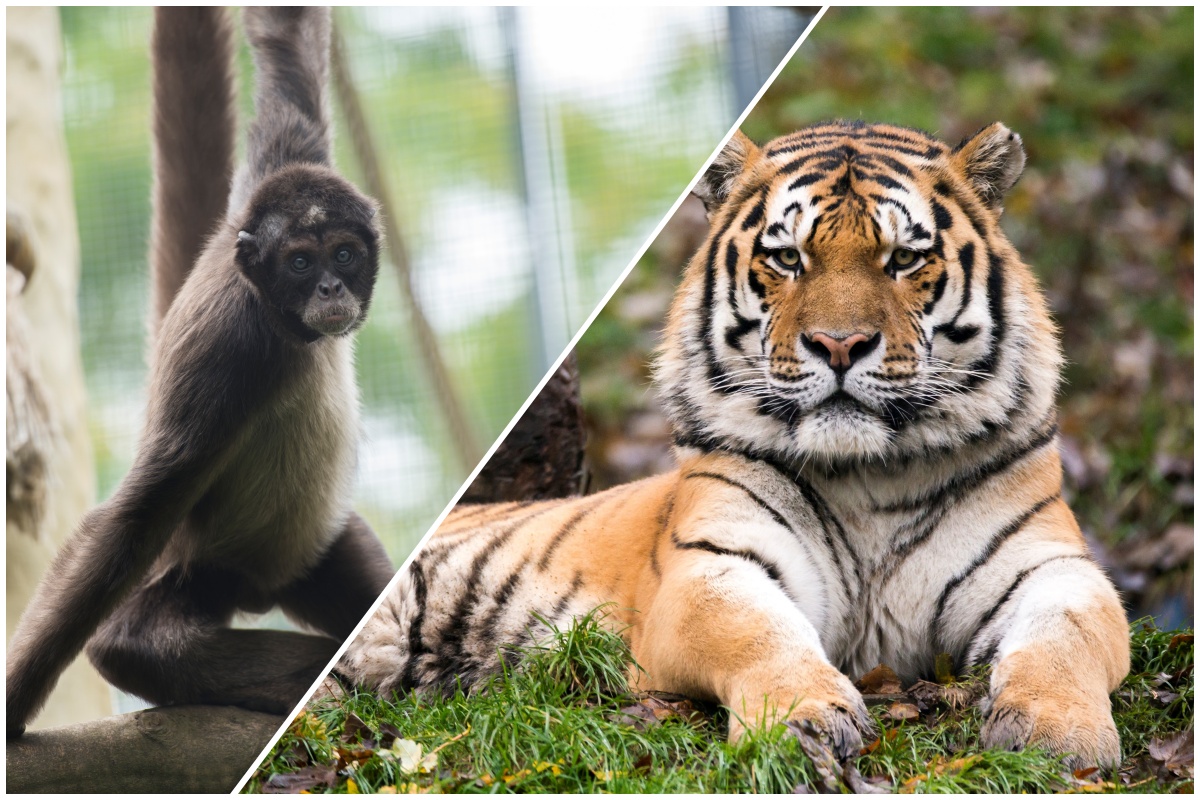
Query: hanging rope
[466, 444]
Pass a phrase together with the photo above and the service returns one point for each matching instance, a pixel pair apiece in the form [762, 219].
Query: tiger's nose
[841, 352]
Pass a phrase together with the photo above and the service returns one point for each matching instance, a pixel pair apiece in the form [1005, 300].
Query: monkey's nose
[841, 352]
[331, 288]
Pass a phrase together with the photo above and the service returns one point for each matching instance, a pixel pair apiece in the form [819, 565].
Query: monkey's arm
[291, 107]
[207, 386]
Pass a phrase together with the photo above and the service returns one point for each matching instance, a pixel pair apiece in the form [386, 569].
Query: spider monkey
[239, 495]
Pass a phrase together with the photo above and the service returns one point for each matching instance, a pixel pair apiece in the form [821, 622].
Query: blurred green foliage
[442, 115]
[1103, 98]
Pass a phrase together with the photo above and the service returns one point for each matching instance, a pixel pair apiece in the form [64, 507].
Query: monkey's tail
[195, 125]
[291, 107]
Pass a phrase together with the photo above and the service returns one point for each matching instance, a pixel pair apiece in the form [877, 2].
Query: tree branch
[177, 749]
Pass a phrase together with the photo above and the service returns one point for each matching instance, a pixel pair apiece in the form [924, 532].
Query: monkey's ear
[992, 161]
[248, 252]
[718, 181]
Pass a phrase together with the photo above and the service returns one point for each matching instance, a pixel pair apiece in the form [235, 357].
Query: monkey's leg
[169, 643]
[336, 594]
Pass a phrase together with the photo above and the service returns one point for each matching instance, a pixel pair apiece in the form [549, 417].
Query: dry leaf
[356, 730]
[881, 680]
[349, 756]
[410, 756]
[652, 709]
[943, 668]
[300, 780]
[899, 712]
[1176, 753]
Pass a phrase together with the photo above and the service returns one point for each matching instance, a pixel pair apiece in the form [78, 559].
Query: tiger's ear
[717, 182]
[991, 161]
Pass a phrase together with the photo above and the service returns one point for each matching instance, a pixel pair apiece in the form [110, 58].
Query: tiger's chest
[905, 546]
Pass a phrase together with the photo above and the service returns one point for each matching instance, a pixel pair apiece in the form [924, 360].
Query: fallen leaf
[351, 786]
[348, 756]
[955, 696]
[881, 680]
[308, 726]
[652, 709]
[1176, 753]
[300, 780]
[943, 668]
[1180, 639]
[388, 733]
[410, 756]
[938, 768]
[356, 730]
[899, 712]
[873, 746]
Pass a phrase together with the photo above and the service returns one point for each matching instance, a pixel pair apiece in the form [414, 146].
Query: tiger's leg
[1058, 645]
[720, 627]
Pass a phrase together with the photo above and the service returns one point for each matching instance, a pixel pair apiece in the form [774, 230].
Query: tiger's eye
[789, 256]
[904, 258]
[300, 263]
[343, 256]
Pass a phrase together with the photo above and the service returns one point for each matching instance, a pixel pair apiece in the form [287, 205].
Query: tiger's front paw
[829, 702]
[1080, 727]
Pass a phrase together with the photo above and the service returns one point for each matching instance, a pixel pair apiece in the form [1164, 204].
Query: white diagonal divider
[536, 391]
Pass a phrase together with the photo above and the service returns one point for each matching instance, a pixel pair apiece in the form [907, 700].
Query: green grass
[554, 723]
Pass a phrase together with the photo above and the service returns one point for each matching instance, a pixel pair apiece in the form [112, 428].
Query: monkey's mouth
[333, 319]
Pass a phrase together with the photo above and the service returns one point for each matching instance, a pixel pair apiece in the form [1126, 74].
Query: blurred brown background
[1103, 98]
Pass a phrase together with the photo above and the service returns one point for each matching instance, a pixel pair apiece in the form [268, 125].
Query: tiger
[860, 373]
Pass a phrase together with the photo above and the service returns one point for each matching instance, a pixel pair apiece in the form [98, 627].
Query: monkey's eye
[788, 258]
[300, 263]
[343, 256]
[903, 260]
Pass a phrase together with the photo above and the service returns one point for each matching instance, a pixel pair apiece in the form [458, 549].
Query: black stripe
[815, 502]
[561, 605]
[571, 523]
[826, 516]
[993, 546]
[664, 519]
[763, 504]
[716, 373]
[756, 214]
[939, 289]
[749, 555]
[986, 365]
[454, 631]
[970, 480]
[1004, 598]
[806, 180]
[416, 642]
[941, 216]
[455, 518]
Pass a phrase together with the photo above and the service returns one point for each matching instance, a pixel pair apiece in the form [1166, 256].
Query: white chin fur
[332, 326]
[840, 433]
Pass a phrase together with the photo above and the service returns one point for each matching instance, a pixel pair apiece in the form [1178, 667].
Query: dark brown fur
[238, 499]
[193, 59]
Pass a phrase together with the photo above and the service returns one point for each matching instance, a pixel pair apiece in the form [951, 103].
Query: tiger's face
[856, 298]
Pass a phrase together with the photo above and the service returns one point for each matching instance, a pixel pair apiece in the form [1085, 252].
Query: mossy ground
[564, 721]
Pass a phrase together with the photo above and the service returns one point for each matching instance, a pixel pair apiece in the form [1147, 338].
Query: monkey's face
[325, 280]
[311, 248]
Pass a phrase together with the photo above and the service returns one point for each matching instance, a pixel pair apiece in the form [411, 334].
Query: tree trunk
[46, 249]
[542, 457]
